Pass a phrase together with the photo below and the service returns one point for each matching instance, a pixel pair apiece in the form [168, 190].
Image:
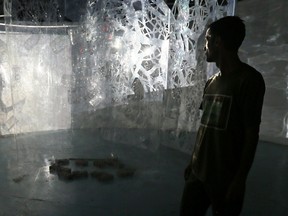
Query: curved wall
[266, 48]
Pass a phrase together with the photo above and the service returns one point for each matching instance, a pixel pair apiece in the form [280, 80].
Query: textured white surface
[45, 87]
[128, 55]
[266, 49]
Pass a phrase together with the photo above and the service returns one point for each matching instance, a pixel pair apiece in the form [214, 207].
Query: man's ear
[218, 41]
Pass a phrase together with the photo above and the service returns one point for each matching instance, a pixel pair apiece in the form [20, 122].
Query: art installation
[99, 102]
[146, 41]
[121, 51]
[125, 64]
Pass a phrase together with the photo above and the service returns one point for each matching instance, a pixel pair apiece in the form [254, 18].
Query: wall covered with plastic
[266, 49]
[135, 65]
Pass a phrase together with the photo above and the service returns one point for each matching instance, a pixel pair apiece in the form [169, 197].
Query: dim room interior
[110, 90]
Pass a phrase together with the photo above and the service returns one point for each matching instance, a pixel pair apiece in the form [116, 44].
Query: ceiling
[63, 10]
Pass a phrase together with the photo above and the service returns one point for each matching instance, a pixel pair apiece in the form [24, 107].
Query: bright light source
[117, 43]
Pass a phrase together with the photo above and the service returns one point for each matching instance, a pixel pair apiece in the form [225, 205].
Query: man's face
[210, 47]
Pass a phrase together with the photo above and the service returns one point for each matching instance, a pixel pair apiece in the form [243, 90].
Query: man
[228, 134]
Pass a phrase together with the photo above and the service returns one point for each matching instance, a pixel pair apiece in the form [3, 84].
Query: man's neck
[229, 63]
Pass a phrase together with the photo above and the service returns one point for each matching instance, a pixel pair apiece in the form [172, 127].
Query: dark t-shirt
[230, 104]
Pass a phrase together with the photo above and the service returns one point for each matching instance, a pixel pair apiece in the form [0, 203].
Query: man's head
[228, 32]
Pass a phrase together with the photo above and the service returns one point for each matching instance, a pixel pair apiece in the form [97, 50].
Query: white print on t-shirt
[216, 111]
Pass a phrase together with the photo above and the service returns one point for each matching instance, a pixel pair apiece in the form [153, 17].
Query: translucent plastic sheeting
[34, 88]
[266, 49]
[35, 62]
[133, 64]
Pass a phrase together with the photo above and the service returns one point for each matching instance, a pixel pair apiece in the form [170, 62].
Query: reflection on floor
[28, 188]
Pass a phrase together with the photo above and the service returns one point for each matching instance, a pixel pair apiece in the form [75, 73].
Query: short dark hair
[231, 29]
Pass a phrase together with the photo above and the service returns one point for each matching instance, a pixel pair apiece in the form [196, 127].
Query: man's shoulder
[213, 77]
[250, 71]
[252, 76]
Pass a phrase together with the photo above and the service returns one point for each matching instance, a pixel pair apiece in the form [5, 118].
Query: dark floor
[28, 188]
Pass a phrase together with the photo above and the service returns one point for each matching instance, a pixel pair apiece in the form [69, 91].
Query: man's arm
[251, 138]
[252, 102]
[237, 186]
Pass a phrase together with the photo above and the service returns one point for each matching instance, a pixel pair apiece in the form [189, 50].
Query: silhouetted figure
[138, 89]
[228, 134]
